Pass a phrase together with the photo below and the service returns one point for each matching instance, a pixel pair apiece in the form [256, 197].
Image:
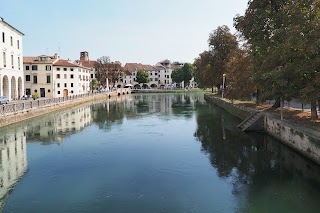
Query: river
[150, 153]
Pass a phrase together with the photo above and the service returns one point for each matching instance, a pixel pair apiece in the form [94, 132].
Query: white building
[11, 69]
[130, 70]
[51, 77]
[70, 79]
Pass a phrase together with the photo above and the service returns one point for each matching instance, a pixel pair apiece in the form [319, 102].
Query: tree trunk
[314, 113]
[276, 105]
[258, 97]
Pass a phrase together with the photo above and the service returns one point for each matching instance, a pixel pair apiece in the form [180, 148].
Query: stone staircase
[249, 121]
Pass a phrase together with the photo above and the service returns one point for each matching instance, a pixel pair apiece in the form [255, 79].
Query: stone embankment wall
[304, 140]
[34, 112]
[236, 110]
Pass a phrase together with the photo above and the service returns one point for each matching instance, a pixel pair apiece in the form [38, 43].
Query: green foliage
[212, 64]
[35, 96]
[94, 83]
[177, 75]
[142, 77]
[284, 37]
[184, 73]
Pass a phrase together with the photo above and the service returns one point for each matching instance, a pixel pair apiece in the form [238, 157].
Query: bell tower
[84, 56]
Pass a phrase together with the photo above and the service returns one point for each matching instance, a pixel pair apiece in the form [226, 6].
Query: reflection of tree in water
[108, 114]
[256, 164]
[142, 106]
[182, 106]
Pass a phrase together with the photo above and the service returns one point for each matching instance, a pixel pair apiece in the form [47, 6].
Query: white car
[4, 100]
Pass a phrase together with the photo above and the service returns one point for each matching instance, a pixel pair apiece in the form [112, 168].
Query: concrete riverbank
[304, 140]
[14, 116]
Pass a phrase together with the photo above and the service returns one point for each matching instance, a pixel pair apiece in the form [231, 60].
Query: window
[65, 75]
[49, 90]
[18, 44]
[12, 61]
[150, 73]
[58, 69]
[28, 91]
[58, 84]
[58, 92]
[48, 67]
[71, 76]
[72, 91]
[65, 84]
[11, 41]
[156, 79]
[71, 84]
[3, 37]
[27, 67]
[151, 79]
[35, 90]
[4, 59]
[19, 63]
[64, 69]
[34, 67]
[35, 79]
[27, 77]
[91, 75]
[58, 75]
[71, 69]
[48, 79]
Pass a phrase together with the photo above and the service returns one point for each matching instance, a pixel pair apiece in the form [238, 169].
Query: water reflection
[266, 176]
[13, 160]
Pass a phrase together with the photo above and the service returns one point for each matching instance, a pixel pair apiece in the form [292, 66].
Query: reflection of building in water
[13, 160]
[163, 103]
[57, 126]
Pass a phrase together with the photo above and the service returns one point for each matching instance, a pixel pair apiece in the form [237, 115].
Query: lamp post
[223, 82]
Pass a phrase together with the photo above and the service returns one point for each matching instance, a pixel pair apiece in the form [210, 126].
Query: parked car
[4, 100]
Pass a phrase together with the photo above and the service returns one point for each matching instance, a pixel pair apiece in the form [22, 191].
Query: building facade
[11, 61]
[52, 77]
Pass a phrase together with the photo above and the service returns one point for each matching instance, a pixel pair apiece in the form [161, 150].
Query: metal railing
[33, 104]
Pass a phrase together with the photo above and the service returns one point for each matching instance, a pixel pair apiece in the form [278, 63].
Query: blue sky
[142, 31]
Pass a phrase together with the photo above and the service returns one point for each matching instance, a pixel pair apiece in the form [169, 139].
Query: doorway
[42, 92]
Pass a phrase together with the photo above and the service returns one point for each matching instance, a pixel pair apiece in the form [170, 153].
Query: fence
[33, 104]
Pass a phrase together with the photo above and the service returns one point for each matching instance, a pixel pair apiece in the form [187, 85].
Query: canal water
[150, 153]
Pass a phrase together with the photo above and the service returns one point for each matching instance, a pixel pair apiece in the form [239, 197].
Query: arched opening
[13, 88]
[65, 93]
[119, 94]
[20, 91]
[145, 86]
[5, 86]
[137, 86]
[119, 86]
[153, 86]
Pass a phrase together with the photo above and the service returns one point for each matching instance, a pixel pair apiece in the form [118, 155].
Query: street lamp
[223, 82]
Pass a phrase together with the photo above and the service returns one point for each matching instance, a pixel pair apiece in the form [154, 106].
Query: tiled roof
[65, 63]
[35, 60]
[89, 64]
[131, 67]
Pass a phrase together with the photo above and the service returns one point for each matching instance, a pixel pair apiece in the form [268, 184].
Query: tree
[184, 73]
[202, 70]
[212, 64]
[284, 38]
[102, 69]
[187, 73]
[142, 77]
[105, 69]
[240, 80]
[177, 75]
